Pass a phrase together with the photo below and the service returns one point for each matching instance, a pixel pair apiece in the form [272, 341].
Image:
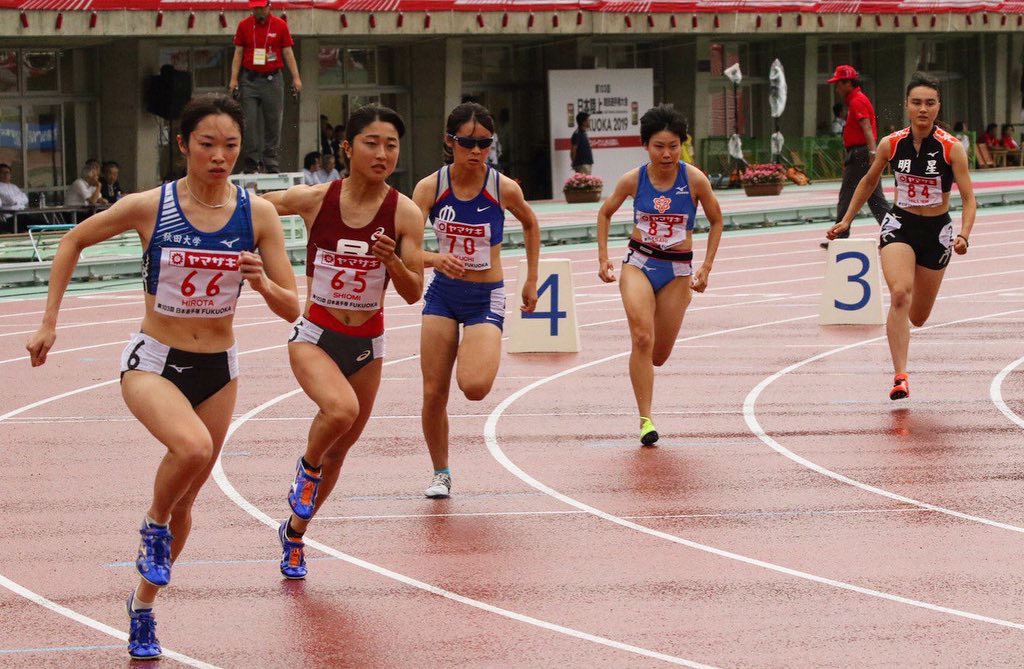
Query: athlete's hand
[529, 296]
[251, 267]
[837, 229]
[699, 281]
[383, 249]
[450, 266]
[960, 246]
[606, 270]
[40, 344]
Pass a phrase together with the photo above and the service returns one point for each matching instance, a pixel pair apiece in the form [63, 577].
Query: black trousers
[858, 160]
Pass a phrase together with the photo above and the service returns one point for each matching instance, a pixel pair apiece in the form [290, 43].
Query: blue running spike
[293, 560]
[154, 560]
[302, 496]
[142, 641]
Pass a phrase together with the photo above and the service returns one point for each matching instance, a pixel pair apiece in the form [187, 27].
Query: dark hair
[922, 79]
[465, 113]
[837, 109]
[109, 163]
[92, 161]
[662, 117]
[581, 117]
[310, 158]
[958, 126]
[367, 114]
[991, 126]
[1006, 126]
[210, 104]
[3, 165]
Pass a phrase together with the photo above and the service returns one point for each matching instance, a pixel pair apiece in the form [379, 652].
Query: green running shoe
[648, 434]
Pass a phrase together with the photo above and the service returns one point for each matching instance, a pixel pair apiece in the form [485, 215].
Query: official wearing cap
[263, 45]
[860, 135]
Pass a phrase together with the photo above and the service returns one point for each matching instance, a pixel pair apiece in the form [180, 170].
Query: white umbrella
[734, 75]
[777, 102]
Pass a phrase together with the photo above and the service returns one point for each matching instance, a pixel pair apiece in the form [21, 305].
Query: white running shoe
[440, 486]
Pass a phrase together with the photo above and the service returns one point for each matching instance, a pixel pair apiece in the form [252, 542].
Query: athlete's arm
[270, 273]
[869, 134]
[298, 200]
[625, 188]
[512, 199]
[969, 207]
[423, 197]
[406, 266]
[128, 213]
[864, 189]
[701, 189]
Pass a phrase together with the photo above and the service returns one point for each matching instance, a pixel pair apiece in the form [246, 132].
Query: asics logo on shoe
[229, 242]
[363, 356]
[179, 369]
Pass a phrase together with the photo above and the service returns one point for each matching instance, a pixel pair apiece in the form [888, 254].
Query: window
[340, 66]
[41, 71]
[8, 71]
[209, 66]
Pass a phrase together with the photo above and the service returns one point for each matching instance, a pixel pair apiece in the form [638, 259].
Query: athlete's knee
[643, 339]
[435, 394]
[919, 319]
[195, 450]
[900, 297]
[340, 415]
[476, 389]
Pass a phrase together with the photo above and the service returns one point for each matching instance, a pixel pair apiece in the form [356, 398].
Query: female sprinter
[362, 233]
[465, 201]
[656, 271]
[178, 373]
[917, 234]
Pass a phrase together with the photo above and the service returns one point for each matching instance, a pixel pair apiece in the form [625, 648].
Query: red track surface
[713, 548]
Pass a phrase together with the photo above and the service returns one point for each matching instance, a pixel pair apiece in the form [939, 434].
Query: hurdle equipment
[552, 327]
[852, 292]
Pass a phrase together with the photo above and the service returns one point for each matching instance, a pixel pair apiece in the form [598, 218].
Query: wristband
[965, 240]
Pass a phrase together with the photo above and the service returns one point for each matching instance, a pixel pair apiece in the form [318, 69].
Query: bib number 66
[188, 289]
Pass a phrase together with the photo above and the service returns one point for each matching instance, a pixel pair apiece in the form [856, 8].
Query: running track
[792, 515]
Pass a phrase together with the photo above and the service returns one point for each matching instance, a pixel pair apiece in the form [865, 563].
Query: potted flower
[582, 188]
[763, 179]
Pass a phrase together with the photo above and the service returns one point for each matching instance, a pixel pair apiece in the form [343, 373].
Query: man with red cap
[860, 137]
[262, 42]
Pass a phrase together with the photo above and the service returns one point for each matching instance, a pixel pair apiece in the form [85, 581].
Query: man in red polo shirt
[860, 136]
[263, 45]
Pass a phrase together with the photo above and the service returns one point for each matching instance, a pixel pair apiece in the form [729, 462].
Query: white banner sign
[615, 100]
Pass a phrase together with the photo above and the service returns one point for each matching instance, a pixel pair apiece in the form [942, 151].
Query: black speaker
[167, 93]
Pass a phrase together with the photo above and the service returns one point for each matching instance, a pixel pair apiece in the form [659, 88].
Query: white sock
[139, 605]
[153, 523]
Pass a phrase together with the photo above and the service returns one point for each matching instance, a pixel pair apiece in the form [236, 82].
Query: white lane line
[491, 440]
[226, 486]
[670, 516]
[749, 414]
[995, 391]
[89, 622]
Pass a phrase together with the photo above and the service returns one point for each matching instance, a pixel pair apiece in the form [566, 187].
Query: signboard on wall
[615, 100]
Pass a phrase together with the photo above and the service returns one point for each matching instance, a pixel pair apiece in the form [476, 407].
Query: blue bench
[38, 228]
